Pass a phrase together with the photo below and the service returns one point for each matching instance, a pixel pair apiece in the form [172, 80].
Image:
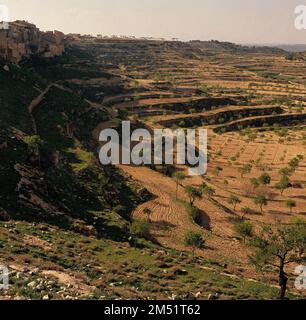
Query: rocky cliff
[23, 39]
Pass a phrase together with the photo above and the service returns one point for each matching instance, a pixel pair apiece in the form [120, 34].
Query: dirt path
[36, 101]
[69, 280]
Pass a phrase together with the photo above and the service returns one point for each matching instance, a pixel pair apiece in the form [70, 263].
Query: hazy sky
[248, 21]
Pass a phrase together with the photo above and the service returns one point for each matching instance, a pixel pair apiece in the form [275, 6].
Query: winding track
[36, 101]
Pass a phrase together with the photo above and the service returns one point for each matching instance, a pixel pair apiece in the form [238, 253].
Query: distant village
[23, 39]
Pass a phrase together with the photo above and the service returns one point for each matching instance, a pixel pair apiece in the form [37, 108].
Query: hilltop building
[23, 39]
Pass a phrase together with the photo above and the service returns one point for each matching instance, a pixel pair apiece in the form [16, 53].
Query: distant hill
[220, 46]
[293, 47]
[286, 47]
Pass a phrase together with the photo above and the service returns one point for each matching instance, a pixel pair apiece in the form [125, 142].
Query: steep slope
[62, 183]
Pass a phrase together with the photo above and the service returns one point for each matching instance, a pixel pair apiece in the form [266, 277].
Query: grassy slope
[117, 270]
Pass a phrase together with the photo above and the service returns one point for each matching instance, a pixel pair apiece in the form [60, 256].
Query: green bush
[140, 228]
[244, 229]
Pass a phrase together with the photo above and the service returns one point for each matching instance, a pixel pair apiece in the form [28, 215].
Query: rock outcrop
[23, 39]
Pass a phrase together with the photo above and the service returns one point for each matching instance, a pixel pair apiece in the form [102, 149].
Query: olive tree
[261, 201]
[193, 193]
[234, 200]
[265, 179]
[244, 229]
[207, 190]
[179, 177]
[277, 247]
[247, 168]
[290, 204]
[283, 184]
[194, 240]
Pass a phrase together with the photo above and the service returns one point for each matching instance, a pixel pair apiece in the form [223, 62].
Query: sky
[240, 21]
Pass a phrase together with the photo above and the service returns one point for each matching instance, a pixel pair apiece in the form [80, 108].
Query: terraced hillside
[71, 226]
[252, 103]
